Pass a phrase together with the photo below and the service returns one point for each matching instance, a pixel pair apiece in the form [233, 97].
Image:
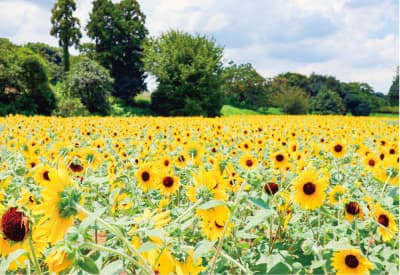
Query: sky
[353, 40]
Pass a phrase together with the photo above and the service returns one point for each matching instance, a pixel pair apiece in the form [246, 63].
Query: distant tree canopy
[328, 102]
[394, 90]
[53, 56]
[92, 83]
[244, 86]
[24, 84]
[118, 31]
[188, 70]
[65, 27]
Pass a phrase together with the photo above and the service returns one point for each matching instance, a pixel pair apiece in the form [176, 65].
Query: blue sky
[354, 40]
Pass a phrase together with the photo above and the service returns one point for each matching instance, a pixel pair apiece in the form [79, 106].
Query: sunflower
[248, 162]
[387, 224]
[309, 191]
[181, 159]
[42, 174]
[195, 152]
[207, 185]
[271, 188]
[146, 176]
[60, 198]
[338, 149]
[58, 261]
[167, 183]
[190, 266]
[214, 221]
[336, 194]
[280, 159]
[353, 211]
[351, 261]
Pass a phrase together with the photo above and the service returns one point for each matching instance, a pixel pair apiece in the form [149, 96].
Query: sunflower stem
[221, 240]
[145, 266]
[232, 260]
[110, 250]
[32, 249]
[199, 201]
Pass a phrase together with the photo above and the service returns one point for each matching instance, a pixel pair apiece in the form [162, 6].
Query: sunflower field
[237, 195]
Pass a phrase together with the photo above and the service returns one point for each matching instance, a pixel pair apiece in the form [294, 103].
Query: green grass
[384, 115]
[228, 110]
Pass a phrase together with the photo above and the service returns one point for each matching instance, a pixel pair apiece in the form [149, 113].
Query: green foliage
[323, 82]
[297, 80]
[68, 106]
[92, 83]
[118, 31]
[65, 27]
[244, 86]
[120, 108]
[358, 104]
[393, 93]
[293, 101]
[23, 82]
[188, 69]
[388, 110]
[53, 57]
[328, 102]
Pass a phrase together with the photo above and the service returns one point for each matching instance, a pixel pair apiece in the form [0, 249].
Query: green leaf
[113, 268]
[258, 202]
[202, 248]
[243, 235]
[88, 265]
[259, 217]
[147, 246]
[90, 219]
[11, 257]
[210, 204]
[338, 245]
[273, 260]
[4, 175]
[158, 233]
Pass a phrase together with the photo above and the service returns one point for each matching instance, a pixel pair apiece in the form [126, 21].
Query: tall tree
[65, 27]
[118, 31]
[188, 70]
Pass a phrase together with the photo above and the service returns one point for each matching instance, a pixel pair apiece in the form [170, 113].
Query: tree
[118, 31]
[358, 104]
[293, 101]
[328, 102]
[297, 80]
[393, 93]
[65, 27]
[243, 85]
[53, 58]
[188, 70]
[321, 82]
[92, 83]
[24, 85]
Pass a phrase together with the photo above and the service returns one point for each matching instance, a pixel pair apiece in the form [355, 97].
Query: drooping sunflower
[271, 188]
[387, 224]
[350, 261]
[309, 190]
[59, 206]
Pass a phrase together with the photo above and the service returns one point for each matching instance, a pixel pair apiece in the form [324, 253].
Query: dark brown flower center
[352, 208]
[218, 225]
[181, 158]
[46, 175]
[271, 188]
[371, 162]
[309, 188]
[145, 176]
[392, 151]
[338, 148]
[384, 220]
[168, 181]
[279, 157]
[351, 261]
[249, 163]
[13, 226]
[166, 163]
[76, 167]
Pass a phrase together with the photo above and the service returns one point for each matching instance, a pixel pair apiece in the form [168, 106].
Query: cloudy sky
[353, 40]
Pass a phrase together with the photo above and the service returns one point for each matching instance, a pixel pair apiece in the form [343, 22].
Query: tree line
[192, 79]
